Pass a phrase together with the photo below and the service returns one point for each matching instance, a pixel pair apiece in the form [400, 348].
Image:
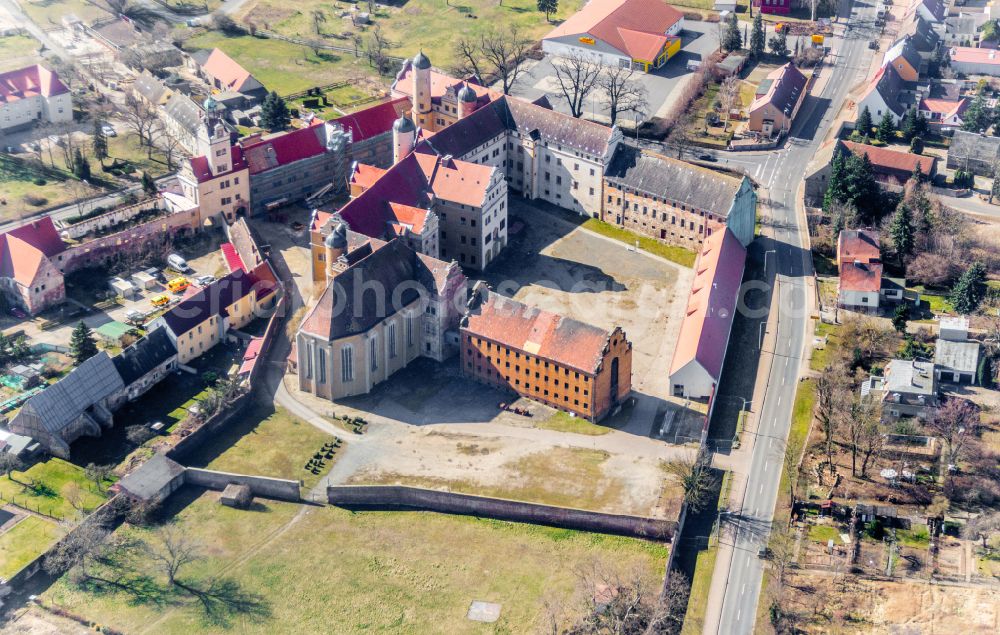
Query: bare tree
[140, 117]
[505, 51]
[680, 134]
[622, 93]
[872, 439]
[790, 461]
[696, 479]
[955, 422]
[318, 18]
[97, 474]
[982, 527]
[169, 143]
[469, 52]
[729, 97]
[76, 549]
[865, 414]
[73, 494]
[832, 400]
[577, 76]
[8, 464]
[623, 603]
[172, 551]
[377, 45]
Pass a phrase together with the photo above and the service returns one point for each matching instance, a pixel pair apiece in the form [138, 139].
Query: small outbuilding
[237, 496]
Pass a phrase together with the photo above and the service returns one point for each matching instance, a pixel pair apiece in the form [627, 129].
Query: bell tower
[422, 91]
[213, 139]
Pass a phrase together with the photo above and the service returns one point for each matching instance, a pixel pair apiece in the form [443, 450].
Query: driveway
[698, 40]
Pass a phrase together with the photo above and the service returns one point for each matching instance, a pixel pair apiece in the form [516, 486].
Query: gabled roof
[184, 111]
[63, 402]
[211, 300]
[202, 173]
[906, 49]
[40, 234]
[785, 90]
[860, 276]
[346, 309]
[886, 160]
[623, 24]
[922, 33]
[144, 355]
[551, 336]
[858, 244]
[671, 179]
[889, 85]
[282, 148]
[704, 333]
[30, 81]
[374, 120]
[947, 108]
[151, 478]
[25, 248]
[230, 74]
[151, 88]
[935, 8]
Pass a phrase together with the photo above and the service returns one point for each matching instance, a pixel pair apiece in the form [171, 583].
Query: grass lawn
[802, 413]
[47, 13]
[330, 570]
[821, 356]
[933, 301]
[824, 533]
[918, 537]
[18, 51]
[562, 422]
[566, 477]
[265, 441]
[20, 177]
[701, 582]
[673, 253]
[49, 478]
[24, 542]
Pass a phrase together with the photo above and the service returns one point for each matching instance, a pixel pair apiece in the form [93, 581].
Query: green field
[24, 542]
[673, 253]
[563, 422]
[323, 569]
[40, 488]
[824, 533]
[18, 51]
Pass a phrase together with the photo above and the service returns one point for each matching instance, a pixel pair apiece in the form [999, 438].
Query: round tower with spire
[421, 90]
[467, 99]
[404, 136]
[335, 246]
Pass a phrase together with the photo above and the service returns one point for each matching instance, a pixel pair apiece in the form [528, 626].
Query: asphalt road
[781, 173]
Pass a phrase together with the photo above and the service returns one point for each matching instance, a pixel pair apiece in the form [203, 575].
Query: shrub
[34, 200]
[39, 181]
[696, 17]
[713, 18]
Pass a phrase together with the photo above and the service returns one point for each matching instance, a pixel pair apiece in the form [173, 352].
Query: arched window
[347, 364]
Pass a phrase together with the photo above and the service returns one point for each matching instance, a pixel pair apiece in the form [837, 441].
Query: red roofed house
[370, 131]
[943, 114]
[970, 60]
[859, 262]
[217, 179]
[779, 7]
[31, 94]
[778, 99]
[559, 361]
[226, 75]
[641, 34]
[892, 168]
[29, 276]
[704, 335]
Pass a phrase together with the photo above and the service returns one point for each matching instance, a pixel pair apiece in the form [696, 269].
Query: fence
[268, 487]
[393, 496]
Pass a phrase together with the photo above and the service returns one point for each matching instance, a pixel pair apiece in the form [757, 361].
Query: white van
[176, 262]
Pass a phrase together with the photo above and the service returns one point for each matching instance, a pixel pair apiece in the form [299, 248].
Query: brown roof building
[777, 101]
[556, 360]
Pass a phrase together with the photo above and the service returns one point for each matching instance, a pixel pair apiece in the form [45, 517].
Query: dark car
[706, 157]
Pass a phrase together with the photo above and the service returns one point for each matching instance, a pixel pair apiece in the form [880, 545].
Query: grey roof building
[154, 480]
[143, 364]
[76, 405]
[908, 389]
[973, 152]
[956, 361]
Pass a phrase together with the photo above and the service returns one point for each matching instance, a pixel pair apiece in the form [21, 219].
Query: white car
[109, 131]
[204, 281]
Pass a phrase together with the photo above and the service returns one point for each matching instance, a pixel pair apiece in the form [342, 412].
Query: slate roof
[211, 300]
[282, 148]
[144, 355]
[889, 85]
[935, 7]
[151, 88]
[921, 32]
[960, 357]
[30, 81]
[184, 111]
[375, 120]
[904, 48]
[63, 402]
[346, 309]
[785, 91]
[974, 145]
[673, 180]
[635, 27]
[551, 336]
[704, 333]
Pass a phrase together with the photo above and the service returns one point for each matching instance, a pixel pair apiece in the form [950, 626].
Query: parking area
[663, 86]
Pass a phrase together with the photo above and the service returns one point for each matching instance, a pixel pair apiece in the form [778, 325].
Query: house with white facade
[33, 94]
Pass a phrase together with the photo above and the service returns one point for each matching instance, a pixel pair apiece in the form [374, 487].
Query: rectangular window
[373, 353]
[347, 364]
[391, 335]
[321, 366]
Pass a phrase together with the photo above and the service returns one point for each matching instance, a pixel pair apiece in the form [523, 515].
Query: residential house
[934, 11]
[224, 74]
[293, 165]
[559, 361]
[905, 58]
[956, 357]
[638, 34]
[704, 334]
[963, 29]
[885, 93]
[202, 319]
[383, 306]
[908, 388]
[76, 405]
[968, 60]
[922, 35]
[892, 168]
[145, 363]
[778, 99]
[30, 276]
[973, 152]
[944, 115]
[33, 94]
[859, 265]
[675, 202]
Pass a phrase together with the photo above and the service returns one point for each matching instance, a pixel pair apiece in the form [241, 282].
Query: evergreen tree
[917, 145]
[977, 116]
[908, 124]
[148, 184]
[100, 142]
[82, 345]
[548, 7]
[899, 318]
[835, 191]
[779, 44]
[274, 113]
[963, 179]
[860, 188]
[757, 37]
[901, 230]
[731, 40]
[81, 166]
[886, 130]
[864, 123]
[970, 289]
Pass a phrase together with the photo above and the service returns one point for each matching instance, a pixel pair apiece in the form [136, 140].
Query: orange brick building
[547, 357]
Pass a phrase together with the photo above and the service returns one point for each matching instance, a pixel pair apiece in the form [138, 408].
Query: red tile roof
[264, 280]
[30, 81]
[704, 333]
[230, 74]
[364, 175]
[858, 244]
[896, 160]
[251, 354]
[551, 336]
[375, 120]
[861, 276]
[974, 55]
[282, 148]
[440, 84]
[202, 173]
[24, 249]
[232, 258]
[644, 46]
[42, 235]
[617, 21]
[946, 107]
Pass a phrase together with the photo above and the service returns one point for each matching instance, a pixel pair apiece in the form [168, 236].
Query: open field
[20, 178]
[46, 13]
[315, 567]
[18, 51]
[264, 441]
[24, 542]
[41, 488]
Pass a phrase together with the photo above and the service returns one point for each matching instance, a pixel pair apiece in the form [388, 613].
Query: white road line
[782, 380]
[761, 489]
[770, 443]
[765, 466]
[743, 590]
[738, 614]
[779, 400]
[747, 565]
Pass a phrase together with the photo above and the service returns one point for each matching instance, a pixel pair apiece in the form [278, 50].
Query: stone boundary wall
[191, 442]
[395, 496]
[264, 486]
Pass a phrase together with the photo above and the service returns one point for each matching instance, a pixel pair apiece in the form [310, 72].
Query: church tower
[213, 139]
[422, 91]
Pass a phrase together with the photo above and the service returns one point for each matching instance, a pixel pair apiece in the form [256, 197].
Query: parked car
[179, 285]
[160, 300]
[177, 262]
[18, 313]
[134, 317]
[204, 281]
[707, 157]
[109, 130]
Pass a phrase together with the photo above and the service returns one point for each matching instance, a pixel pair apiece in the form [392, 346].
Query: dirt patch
[268, 15]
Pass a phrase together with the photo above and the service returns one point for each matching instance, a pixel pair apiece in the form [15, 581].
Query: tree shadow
[221, 599]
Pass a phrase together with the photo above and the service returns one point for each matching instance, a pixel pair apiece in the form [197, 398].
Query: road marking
[782, 380]
[738, 614]
[779, 400]
[747, 565]
[744, 589]
[765, 466]
[761, 489]
[770, 443]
